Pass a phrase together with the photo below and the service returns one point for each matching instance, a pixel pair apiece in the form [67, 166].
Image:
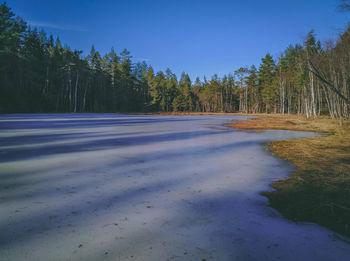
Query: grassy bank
[181, 113]
[319, 190]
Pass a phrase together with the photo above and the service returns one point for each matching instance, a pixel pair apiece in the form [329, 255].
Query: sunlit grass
[319, 190]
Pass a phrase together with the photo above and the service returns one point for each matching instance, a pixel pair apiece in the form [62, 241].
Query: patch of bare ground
[319, 190]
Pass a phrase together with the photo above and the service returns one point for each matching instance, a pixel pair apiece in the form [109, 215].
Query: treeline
[39, 74]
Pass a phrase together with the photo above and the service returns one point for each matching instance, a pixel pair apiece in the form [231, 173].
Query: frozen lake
[125, 187]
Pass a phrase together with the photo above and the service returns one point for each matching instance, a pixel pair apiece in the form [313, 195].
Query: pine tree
[266, 81]
[11, 39]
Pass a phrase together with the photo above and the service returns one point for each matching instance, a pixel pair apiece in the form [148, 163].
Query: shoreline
[318, 191]
[151, 187]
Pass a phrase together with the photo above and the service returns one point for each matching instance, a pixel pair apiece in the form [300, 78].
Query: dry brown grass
[319, 191]
[330, 152]
[180, 113]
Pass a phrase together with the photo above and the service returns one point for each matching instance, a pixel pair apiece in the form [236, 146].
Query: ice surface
[131, 187]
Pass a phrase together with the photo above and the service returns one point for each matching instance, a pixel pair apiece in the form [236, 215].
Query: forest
[40, 74]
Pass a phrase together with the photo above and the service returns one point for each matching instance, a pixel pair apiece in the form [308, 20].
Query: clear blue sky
[200, 37]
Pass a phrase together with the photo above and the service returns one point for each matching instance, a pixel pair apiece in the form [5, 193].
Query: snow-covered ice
[136, 187]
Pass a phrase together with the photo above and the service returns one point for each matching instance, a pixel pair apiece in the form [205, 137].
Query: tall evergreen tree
[266, 80]
[40, 74]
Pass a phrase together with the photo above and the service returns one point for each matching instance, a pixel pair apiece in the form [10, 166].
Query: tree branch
[322, 78]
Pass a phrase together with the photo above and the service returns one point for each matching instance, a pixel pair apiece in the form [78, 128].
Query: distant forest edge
[39, 74]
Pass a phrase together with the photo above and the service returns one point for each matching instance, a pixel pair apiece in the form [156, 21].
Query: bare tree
[331, 86]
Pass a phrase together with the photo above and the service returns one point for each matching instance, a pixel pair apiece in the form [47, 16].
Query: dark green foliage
[11, 38]
[39, 74]
[266, 81]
